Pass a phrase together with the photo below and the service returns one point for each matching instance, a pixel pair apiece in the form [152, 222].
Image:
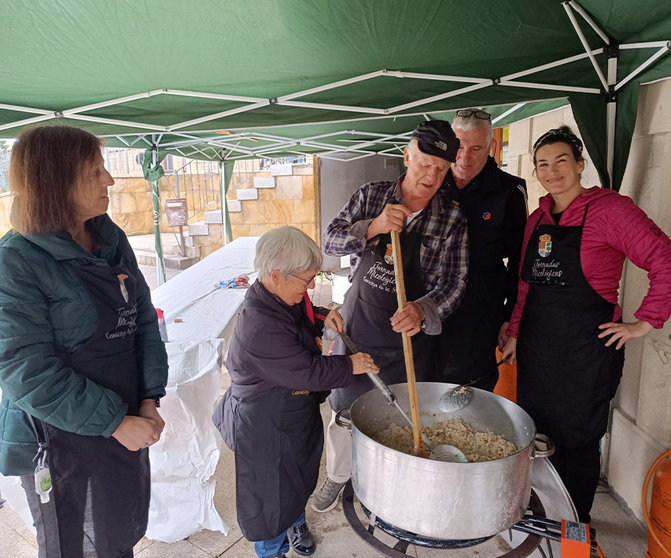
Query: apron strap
[308, 308]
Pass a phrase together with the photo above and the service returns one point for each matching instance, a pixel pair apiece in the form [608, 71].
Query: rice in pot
[476, 445]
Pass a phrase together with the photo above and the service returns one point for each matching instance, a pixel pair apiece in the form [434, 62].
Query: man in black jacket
[495, 205]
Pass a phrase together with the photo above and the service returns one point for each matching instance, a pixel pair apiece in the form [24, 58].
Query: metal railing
[197, 181]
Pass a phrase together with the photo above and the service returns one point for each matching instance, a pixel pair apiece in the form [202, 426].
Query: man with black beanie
[434, 248]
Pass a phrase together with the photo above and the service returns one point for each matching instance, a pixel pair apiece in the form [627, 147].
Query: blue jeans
[277, 545]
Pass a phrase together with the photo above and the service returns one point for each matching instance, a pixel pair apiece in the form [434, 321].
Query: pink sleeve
[648, 247]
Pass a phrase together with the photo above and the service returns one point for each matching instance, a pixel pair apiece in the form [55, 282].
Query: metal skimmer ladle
[438, 452]
[458, 397]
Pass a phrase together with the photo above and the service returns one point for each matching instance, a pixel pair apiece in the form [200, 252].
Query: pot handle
[547, 442]
[343, 419]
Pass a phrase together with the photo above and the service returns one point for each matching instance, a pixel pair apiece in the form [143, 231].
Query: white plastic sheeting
[183, 461]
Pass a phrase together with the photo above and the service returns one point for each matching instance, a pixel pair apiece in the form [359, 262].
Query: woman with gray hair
[270, 415]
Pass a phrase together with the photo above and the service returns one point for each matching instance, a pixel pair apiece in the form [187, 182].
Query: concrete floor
[618, 533]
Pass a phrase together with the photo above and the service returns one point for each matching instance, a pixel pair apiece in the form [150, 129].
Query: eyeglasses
[467, 113]
[306, 281]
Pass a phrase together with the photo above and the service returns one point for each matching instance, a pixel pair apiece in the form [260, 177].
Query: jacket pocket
[18, 445]
[225, 416]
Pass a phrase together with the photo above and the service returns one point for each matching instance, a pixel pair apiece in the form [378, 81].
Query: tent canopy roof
[238, 79]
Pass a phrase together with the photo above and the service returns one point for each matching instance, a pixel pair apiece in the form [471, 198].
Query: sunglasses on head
[467, 113]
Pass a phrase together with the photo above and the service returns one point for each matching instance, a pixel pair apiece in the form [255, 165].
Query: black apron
[566, 374]
[369, 305]
[278, 441]
[101, 489]
[466, 347]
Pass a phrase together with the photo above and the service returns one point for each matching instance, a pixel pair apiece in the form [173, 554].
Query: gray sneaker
[325, 497]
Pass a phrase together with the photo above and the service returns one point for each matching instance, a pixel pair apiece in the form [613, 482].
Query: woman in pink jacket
[566, 330]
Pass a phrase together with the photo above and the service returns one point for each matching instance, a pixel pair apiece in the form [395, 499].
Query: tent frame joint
[612, 50]
[612, 94]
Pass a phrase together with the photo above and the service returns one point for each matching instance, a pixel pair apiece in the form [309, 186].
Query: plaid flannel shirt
[443, 254]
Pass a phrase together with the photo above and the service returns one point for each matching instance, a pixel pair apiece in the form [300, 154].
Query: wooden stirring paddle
[419, 448]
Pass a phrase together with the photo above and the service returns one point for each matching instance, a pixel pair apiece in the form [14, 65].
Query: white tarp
[183, 461]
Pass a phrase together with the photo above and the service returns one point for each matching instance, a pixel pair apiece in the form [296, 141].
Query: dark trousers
[49, 532]
[579, 468]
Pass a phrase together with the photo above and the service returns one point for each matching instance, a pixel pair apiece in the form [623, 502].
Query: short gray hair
[468, 123]
[287, 249]
[413, 147]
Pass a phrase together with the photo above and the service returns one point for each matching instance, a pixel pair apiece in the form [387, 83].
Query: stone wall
[5, 207]
[131, 205]
[258, 201]
[268, 199]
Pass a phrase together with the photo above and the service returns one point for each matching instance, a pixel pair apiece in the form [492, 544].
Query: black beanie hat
[435, 137]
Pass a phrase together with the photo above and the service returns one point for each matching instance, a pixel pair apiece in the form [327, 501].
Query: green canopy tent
[226, 79]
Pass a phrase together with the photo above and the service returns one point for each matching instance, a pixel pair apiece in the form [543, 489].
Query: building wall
[5, 207]
[640, 425]
[285, 195]
[131, 203]
[338, 181]
[281, 195]
[522, 136]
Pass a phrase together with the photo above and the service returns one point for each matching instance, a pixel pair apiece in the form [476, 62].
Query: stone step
[145, 258]
[171, 261]
[179, 262]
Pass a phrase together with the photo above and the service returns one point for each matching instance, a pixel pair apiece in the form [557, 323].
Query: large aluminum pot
[440, 499]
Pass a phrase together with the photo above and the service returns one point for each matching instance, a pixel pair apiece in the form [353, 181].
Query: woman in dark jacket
[270, 415]
[82, 364]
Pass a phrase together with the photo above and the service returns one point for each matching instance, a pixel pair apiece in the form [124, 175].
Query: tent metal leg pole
[222, 193]
[160, 270]
[611, 112]
[611, 108]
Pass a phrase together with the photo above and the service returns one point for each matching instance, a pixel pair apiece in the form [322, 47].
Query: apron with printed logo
[369, 305]
[101, 489]
[566, 374]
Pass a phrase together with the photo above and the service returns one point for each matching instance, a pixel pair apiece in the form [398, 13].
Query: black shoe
[277, 556]
[301, 540]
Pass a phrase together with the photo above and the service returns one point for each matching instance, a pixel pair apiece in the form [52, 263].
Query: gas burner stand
[536, 526]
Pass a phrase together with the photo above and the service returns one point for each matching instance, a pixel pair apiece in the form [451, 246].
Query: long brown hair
[46, 164]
